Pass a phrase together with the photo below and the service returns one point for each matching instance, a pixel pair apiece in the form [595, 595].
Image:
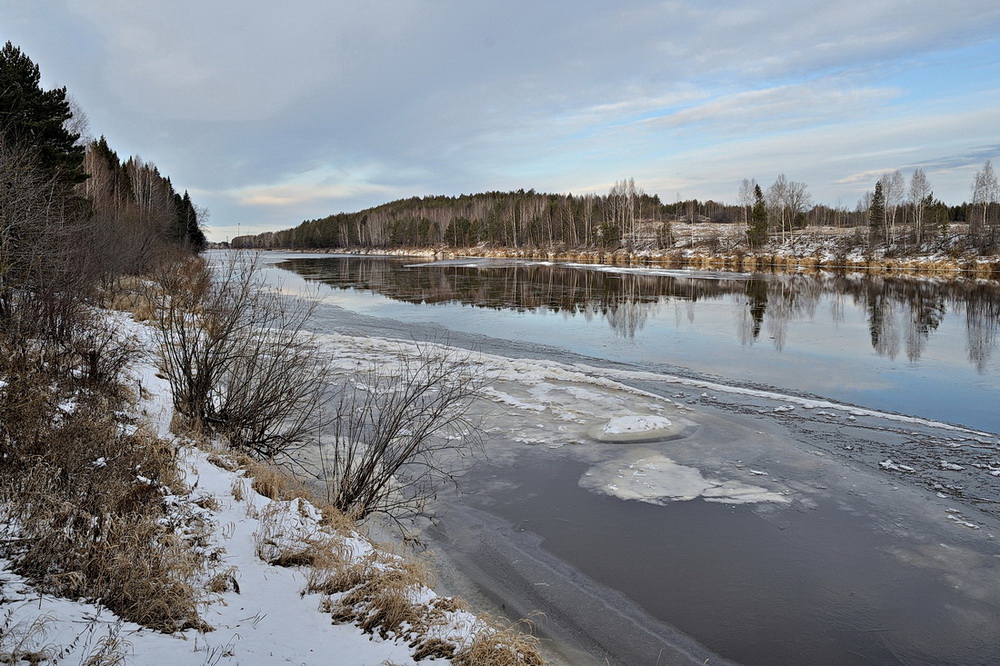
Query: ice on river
[657, 479]
[625, 434]
[636, 425]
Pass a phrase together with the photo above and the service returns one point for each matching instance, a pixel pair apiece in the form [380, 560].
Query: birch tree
[893, 188]
[920, 195]
[777, 202]
[985, 191]
[746, 198]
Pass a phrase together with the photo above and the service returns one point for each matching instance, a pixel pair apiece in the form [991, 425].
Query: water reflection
[900, 313]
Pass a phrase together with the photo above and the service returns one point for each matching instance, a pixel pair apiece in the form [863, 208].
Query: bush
[238, 357]
[401, 429]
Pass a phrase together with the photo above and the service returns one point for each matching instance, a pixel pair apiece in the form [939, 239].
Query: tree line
[895, 214]
[73, 215]
[511, 219]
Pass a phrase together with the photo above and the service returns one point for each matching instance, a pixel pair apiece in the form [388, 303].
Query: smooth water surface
[915, 346]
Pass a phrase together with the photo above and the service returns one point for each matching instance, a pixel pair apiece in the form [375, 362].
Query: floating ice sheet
[657, 479]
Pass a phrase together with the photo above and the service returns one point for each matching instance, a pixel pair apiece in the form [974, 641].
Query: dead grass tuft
[498, 643]
[434, 648]
[239, 489]
[276, 484]
[224, 581]
[384, 597]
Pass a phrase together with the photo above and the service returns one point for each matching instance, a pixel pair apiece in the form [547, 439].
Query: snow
[889, 464]
[269, 620]
[635, 424]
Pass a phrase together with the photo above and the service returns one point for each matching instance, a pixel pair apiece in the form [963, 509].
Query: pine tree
[757, 231]
[35, 120]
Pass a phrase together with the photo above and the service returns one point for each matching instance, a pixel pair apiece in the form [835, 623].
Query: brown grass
[379, 595]
[498, 643]
[85, 489]
[382, 593]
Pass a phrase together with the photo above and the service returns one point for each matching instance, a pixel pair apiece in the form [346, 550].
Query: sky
[273, 113]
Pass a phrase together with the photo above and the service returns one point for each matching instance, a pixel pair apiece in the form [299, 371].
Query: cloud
[780, 108]
[298, 194]
[277, 112]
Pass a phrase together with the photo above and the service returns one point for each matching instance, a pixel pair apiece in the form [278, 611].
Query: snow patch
[632, 424]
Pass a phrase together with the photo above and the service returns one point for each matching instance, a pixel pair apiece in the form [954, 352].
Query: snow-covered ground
[260, 613]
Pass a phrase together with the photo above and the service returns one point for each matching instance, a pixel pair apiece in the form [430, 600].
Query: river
[830, 496]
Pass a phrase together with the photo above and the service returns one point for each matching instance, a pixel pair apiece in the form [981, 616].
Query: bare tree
[920, 193]
[985, 191]
[746, 198]
[402, 429]
[621, 207]
[238, 356]
[797, 200]
[893, 188]
[777, 202]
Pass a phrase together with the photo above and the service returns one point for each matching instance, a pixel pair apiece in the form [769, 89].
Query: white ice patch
[634, 424]
[656, 479]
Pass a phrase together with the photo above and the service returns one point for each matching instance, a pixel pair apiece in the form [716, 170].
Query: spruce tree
[757, 231]
[876, 213]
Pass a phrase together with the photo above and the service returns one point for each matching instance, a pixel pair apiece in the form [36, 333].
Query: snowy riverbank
[284, 580]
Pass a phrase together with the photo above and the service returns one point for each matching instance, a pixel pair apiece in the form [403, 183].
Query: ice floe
[656, 479]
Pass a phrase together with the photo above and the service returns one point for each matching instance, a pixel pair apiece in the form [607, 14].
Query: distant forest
[895, 213]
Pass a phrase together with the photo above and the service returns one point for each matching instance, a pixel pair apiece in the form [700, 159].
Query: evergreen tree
[35, 120]
[876, 213]
[188, 226]
[757, 231]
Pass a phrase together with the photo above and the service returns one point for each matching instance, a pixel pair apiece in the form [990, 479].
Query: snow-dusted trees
[985, 195]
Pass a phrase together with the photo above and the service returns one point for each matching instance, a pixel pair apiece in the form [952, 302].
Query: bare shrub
[238, 357]
[401, 430]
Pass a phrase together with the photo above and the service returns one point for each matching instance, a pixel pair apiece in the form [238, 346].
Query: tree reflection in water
[901, 312]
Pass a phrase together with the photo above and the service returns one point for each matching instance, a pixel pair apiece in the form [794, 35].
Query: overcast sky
[271, 113]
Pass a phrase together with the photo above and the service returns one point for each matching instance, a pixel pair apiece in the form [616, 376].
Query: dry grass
[379, 594]
[129, 294]
[276, 483]
[385, 595]
[497, 643]
[85, 489]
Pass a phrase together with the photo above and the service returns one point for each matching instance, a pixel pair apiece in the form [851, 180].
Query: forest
[73, 215]
[896, 214]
